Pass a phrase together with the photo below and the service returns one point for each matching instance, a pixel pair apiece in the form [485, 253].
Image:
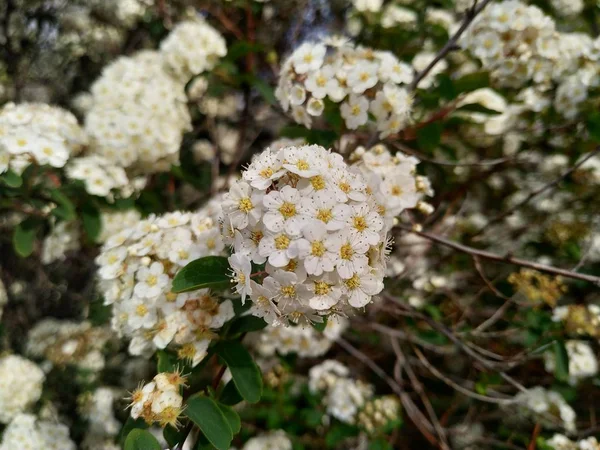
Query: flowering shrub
[293, 225]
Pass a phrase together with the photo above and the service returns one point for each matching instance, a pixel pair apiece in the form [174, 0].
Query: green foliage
[429, 136]
[24, 236]
[208, 272]
[246, 374]
[65, 209]
[141, 440]
[232, 417]
[11, 179]
[561, 358]
[92, 223]
[209, 417]
[130, 425]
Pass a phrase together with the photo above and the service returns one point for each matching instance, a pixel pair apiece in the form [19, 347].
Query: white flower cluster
[379, 412]
[113, 222]
[273, 440]
[368, 5]
[160, 400]
[547, 408]
[582, 361]
[562, 442]
[63, 237]
[393, 181]
[579, 319]
[97, 408]
[26, 432]
[301, 339]
[40, 133]
[20, 386]
[315, 224]
[139, 114]
[363, 81]
[64, 342]
[343, 396]
[571, 92]
[567, 8]
[191, 48]
[136, 267]
[100, 176]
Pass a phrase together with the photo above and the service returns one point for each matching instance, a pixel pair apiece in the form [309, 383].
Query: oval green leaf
[244, 371]
[205, 413]
[561, 357]
[208, 272]
[23, 237]
[232, 417]
[141, 440]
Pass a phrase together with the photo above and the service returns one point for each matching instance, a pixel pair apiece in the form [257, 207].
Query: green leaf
[174, 436]
[246, 324]
[11, 179]
[167, 362]
[131, 424]
[65, 209]
[246, 374]
[320, 326]
[207, 272]
[230, 395]
[23, 237]
[92, 224]
[429, 136]
[141, 440]
[264, 89]
[593, 125]
[561, 357]
[471, 82]
[477, 108]
[232, 417]
[205, 413]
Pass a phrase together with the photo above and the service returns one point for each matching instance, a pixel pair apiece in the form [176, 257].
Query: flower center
[256, 236]
[151, 280]
[317, 248]
[282, 242]
[324, 215]
[353, 283]
[356, 110]
[317, 182]
[396, 190]
[141, 310]
[302, 164]
[245, 205]
[346, 251]
[291, 267]
[266, 173]
[344, 187]
[360, 223]
[322, 288]
[288, 291]
[287, 210]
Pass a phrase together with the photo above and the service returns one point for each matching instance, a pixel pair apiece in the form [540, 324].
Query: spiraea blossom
[136, 268]
[548, 408]
[582, 361]
[112, 222]
[273, 440]
[191, 48]
[63, 237]
[40, 133]
[102, 177]
[138, 115]
[343, 396]
[359, 81]
[97, 407]
[562, 442]
[26, 432]
[159, 401]
[301, 339]
[20, 386]
[316, 227]
[377, 413]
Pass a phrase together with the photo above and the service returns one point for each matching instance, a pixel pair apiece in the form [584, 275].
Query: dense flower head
[191, 48]
[40, 133]
[301, 339]
[139, 114]
[579, 320]
[582, 361]
[562, 442]
[378, 412]
[316, 227]
[159, 401]
[273, 440]
[360, 81]
[63, 237]
[112, 222]
[26, 432]
[102, 177]
[64, 342]
[136, 268]
[20, 386]
[97, 408]
[546, 407]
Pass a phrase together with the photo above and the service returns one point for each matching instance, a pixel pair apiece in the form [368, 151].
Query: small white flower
[282, 211]
[317, 258]
[309, 56]
[355, 111]
[243, 206]
[351, 253]
[242, 269]
[151, 280]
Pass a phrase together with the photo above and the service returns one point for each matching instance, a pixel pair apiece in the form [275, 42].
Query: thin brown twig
[507, 259]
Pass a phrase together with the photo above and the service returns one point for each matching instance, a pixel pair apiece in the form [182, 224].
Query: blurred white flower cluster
[567, 8]
[64, 342]
[3, 298]
[393, 181]
[20, 386]
[379, 412]
[139, 113]
[273, 440]
[301, 339]
[343, 396]
[582, 361]
[191, 48]
[115, 221]
[103, 426]
[356, 80]
[40, 133]
[160, 400]
[26, 432]
[548, 408]
[317, 227]
[136, 267]
[63, 237]
[562, 442]
[101, 176]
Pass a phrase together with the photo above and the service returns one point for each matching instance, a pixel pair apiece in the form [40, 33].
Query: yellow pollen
[210, 244]
[169, 416]
[266, 173]
[346, 251]
[308, 58]
[241, 278]
[256, 236]
[288, 291]
[381, 210]
[324, 215]
[396, 190]
[287, 210]
[360, 223]
[321, 81]
[183, 254]
[21, 142]
[141, 310]
[356, 110]
[48, 151]
[171, 297]
[317, 182]
[302, 164]
[112, 259]
[353, 283]
[151, 280]
[245, 205]
[322, 288]
[344, 187]
[364, 76]
[282, 242]
[262, 300]
[317, 248]
[187, 352]
[291, 267]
